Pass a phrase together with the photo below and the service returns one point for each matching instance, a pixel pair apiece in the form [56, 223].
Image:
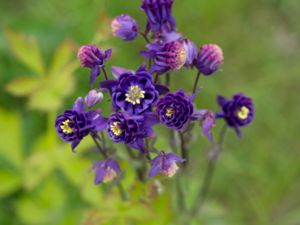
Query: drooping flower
[106, 170]
[166, 164]
[133, 93]
[237, 112]
[93, 98]
[131, 129]
[125, 27]
[159, 13]
[73, 125]
[175, 109]
[167, 56]
[207, 120]
[94, 58]
[209, 59]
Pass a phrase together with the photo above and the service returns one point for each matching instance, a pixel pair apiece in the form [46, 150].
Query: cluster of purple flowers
[140, 101]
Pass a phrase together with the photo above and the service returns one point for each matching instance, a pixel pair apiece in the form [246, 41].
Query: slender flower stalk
[196, 82]
[201, 197]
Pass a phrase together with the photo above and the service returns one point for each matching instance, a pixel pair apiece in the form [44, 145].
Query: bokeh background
[43, 182]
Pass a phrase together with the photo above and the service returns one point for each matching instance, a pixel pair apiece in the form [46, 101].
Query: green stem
[145, 37]
[184, 150]
[196, 82]
[201, 197]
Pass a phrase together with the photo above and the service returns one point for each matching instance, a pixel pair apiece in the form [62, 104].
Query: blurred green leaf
[11, 143]
[41, 207]
[37, 168]
[26, 49]
[62, 57]
[23, 86]
[10, 181]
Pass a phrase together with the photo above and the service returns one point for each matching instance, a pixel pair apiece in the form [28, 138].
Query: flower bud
[209, 59]
[94, 58]
[124, 27]
[93, 98]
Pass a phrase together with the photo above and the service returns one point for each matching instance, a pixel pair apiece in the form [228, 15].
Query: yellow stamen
[243, 113]
[169, 112]
[134, 95]
[66, 128]
[114, 127]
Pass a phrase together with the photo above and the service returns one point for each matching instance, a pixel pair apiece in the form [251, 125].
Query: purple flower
[191, 52]
[73, 125]
[166, 56]
[93, 98]
[133, 93]
[237, 112]
[166, 164]
[175, 109]
[159, 13]
[131, 129]
[94, 58]
[106, 170]
[207, 120]
[209, 59]
[125, 27]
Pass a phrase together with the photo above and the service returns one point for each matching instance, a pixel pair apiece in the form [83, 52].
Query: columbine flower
[134, 93]
[167, 56]
[73, 125]
[166, 164]
[209, 59]
[131, 129]
[106, 170]
[175, 109]
[124, 27]
[93, 98]
[207, 120]
[237, 112]
[191, 52]
[94, 58]
[159, 13]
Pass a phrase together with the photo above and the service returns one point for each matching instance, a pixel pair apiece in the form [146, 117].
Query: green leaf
[23, 86]
[11, 143]
[51, 96]
[26, 49]
[10, 181]
[62, 57]
[44, 205]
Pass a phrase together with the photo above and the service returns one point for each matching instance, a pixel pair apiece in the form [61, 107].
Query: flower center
[134, 95]
[109, 175]
[243, 113]
[169, 112]
[114, 127]
[171, 171]
[66, 128]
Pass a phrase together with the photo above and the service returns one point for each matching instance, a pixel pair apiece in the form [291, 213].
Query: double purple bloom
[175, 109]
[133, 92]
[73, 125]
[131, 130]
[237, 112]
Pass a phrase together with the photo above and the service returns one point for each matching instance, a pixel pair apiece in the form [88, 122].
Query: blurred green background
[42, 182]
